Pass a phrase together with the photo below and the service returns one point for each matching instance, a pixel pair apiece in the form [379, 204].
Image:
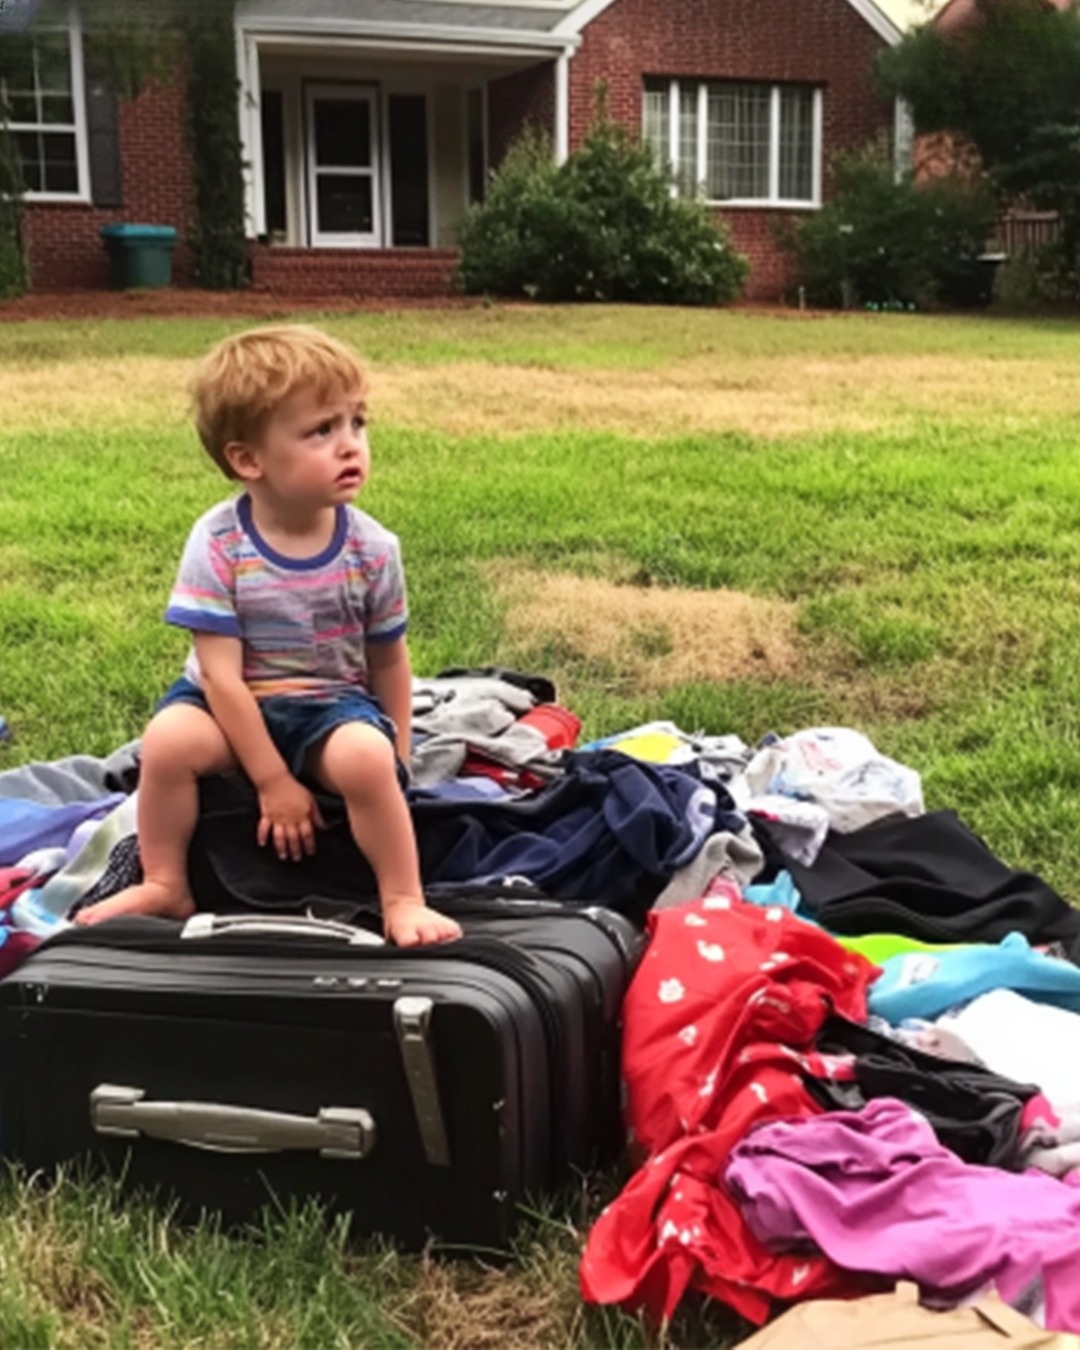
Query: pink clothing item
[13, 881]
[876, 1192]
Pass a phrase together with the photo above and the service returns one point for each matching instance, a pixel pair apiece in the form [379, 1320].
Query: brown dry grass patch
[763, 396]
[649, 638]
[454, 1307]
[113, 391]
[757, 394]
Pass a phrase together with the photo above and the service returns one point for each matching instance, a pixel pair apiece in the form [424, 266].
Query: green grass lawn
[896, 498]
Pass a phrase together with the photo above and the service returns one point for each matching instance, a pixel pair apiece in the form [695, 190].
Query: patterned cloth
[719, 1025]
[304, 622]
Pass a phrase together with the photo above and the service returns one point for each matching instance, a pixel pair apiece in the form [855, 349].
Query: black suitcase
[242, 1060]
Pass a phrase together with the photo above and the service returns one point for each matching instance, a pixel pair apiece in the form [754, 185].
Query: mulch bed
[183, 301]
[177, 301]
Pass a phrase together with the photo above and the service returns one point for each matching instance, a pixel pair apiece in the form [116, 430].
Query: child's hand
[289, 816]
[409, 924]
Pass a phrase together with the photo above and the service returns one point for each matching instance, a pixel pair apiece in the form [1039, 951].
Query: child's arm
[390, 680]
[288, 811]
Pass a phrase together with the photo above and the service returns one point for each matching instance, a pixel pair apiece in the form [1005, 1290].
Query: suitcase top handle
[204, 925]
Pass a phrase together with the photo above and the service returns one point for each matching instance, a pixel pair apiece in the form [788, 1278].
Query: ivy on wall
[134, 48]
[13, 270]
[217, 237]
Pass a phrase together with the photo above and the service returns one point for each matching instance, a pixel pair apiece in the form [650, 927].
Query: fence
[1021, 232]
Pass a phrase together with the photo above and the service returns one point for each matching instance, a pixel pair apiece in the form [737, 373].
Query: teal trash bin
[139, 255]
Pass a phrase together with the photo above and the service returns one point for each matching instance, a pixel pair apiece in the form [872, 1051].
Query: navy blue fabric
[297, 724]
[610, 829]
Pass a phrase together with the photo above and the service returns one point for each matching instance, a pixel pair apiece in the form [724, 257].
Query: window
[42, 96]
[737, 142]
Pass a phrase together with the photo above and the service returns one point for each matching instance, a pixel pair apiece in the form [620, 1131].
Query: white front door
[343, 166]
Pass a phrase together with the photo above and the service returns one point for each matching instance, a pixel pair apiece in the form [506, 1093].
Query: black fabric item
[608, 829]
[973, 1112]
[933, 878]
[123, 869]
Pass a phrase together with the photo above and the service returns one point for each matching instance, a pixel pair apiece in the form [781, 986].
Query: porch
[362, 137]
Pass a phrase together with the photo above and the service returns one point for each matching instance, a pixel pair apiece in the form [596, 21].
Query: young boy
[295, 601]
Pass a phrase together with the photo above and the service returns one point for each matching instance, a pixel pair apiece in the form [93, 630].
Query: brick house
[369, 126]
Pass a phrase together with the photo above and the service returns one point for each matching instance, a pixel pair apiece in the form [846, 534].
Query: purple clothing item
[877, 1193]
[26, 826]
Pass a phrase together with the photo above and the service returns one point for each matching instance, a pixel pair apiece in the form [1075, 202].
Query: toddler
[295, 600]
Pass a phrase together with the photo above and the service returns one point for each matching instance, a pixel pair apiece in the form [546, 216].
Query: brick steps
[315, 272]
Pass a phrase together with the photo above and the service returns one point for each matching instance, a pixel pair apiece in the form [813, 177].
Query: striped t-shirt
[304, 622]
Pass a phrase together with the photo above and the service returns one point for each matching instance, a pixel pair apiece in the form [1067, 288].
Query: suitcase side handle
[336, 1132]
[205, 925]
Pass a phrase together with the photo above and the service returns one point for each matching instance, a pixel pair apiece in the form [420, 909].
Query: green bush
[885, 240]
[604, 226]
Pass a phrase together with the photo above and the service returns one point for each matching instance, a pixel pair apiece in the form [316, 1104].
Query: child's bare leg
[357, 762]
[182, 744]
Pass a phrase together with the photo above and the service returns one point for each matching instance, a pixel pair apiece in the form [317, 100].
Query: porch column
[562, 106]
[250, 115]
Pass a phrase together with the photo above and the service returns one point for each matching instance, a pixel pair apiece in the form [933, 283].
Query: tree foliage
[1008, 81]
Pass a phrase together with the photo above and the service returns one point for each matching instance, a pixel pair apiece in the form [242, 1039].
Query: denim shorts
[297, 724]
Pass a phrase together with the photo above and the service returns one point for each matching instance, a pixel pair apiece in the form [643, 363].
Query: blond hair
[246, 377]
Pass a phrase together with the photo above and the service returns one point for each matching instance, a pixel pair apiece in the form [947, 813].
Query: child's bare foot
[409, 923]
[150, 897]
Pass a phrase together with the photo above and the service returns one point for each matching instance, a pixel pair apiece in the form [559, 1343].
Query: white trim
[562, 107]
[384, 208]
[360, 92]
[333, 46]
[582, 16]
[817, 168]
[880, 22]
[774, 144]
[251, 89]
[78, 95]
[73, 29]
[773, 200]
[674, 128]
[589, 10]
[759, 204]
[393, 35]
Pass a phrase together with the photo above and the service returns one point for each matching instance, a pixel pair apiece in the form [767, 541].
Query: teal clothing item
[780, 891]
[926, 984]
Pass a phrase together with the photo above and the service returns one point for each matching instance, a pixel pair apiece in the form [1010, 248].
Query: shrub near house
[886, 240]
[604, 226]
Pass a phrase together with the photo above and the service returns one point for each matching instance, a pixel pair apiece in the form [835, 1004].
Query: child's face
[313, 452]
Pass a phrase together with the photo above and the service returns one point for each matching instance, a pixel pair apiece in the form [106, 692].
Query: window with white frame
[42, 98]
[736, 142]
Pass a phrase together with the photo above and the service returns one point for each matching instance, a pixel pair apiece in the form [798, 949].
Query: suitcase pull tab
[412, 1017]
[336, 1132]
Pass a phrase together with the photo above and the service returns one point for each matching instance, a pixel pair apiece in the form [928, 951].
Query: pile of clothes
[848, 1049]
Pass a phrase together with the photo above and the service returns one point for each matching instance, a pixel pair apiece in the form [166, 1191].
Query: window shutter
[103, 139]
